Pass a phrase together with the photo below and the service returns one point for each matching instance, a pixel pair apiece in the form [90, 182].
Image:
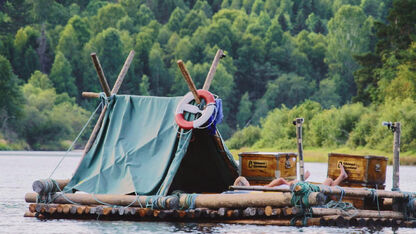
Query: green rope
[300, 200]
[300, 197]
[189, 201]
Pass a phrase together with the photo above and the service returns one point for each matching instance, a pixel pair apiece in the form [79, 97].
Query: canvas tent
[140, 149]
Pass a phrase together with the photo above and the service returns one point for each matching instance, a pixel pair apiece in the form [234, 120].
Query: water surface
[18, 170]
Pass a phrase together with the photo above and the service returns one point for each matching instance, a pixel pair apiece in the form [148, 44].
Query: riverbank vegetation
[343, 65]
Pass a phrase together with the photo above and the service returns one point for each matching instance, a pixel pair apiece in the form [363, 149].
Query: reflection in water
[18, 172]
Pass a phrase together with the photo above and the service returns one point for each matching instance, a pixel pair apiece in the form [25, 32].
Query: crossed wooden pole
[108, 93]
[208, 80]
[120, 78]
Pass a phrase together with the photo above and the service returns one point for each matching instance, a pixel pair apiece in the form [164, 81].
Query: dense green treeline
[279, 54]
[386, 91]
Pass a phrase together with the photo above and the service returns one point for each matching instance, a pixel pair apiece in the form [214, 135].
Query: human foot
[343, 173]
[307, 174]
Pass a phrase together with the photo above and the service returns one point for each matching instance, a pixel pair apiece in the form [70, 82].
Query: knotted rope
[300, 199]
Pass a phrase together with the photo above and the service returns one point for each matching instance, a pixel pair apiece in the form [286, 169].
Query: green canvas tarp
[140, 149]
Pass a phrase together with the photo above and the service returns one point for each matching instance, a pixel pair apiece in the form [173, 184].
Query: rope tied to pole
[341, 205]
[189, 201]
[408, 202]
[300, 199]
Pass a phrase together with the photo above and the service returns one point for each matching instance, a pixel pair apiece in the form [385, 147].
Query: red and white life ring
[185, 106]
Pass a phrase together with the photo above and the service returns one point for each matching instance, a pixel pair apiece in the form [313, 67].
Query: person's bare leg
[277, 182]
[241, 181]
[328, 182]
[306, 175]
[342, 176]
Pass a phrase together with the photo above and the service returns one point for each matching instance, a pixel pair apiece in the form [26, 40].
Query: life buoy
[185, 106]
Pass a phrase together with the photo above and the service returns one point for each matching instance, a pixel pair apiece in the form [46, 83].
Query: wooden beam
[106, 89]
[94, 132]
[100, 73]
[123, 73]
[188, 80]
[216, 201]
[171, 202]
[90, 95]
[220, 54]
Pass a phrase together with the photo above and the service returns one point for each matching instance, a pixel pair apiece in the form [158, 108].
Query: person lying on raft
[282, 183]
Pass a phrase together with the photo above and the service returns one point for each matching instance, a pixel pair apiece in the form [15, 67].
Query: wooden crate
[369, 170]
[363, 172]
[262, 167]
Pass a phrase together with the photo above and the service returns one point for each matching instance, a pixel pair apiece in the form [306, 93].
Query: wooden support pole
[29, 214]
[309, 222]
[90, 95]
[216, 201]
[94, 133]
[396, 156]
[171, 202]
[107, 92]
[40, 186]
[354, 213]
[123, 73]
[347, 191]
[101, 76]
[213, 69]
[188, 80]
[298, 122]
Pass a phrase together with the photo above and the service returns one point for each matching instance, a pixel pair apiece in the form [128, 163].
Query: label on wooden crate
[256, 164]
[348, 165]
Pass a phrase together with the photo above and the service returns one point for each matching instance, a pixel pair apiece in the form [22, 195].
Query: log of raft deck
[326, 217]
[351, 192]
[212, 201]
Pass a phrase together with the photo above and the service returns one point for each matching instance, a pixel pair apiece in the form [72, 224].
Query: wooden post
[220, 54]
[298, 122]
[100, 73]
[123, 73]
[108, 93]
[90, 95]
[189, 80]
[396, 206]
[396, 156]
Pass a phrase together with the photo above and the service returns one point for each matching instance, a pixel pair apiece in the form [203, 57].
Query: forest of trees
[349, 62]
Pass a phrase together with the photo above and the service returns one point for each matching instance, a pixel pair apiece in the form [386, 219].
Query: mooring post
[395, 128]
[396, 156]
[298, 122]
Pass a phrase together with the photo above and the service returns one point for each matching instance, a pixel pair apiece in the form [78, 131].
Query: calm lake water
[19, 170]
